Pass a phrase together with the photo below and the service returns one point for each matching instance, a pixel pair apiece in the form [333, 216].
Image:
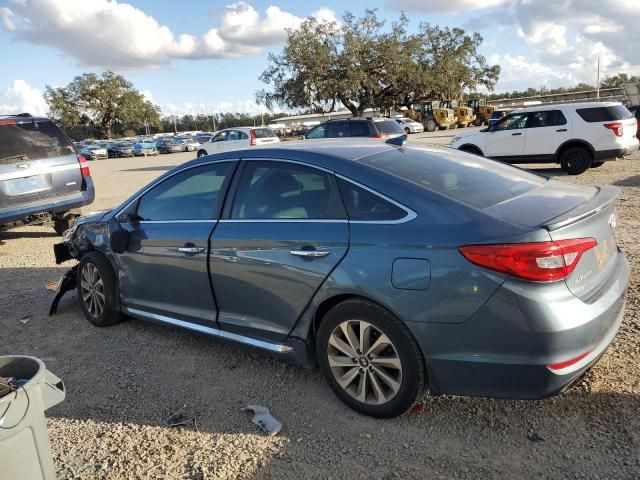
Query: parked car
[145, 148]
[204, 137]
[235, 138]
[575, 135]
[498, 115]
[383, 128]
[116, 150]
[42, 178]
[94, 152]
[188, 144]
[395, 269]
[409, 125]
[168, 145]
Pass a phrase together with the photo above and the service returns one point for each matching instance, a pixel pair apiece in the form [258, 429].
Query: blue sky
[204, 56]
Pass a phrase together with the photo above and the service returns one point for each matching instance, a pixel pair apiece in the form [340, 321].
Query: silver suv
[42, 178]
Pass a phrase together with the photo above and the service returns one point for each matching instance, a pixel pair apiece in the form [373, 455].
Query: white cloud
[19, 97]
[443, 6]
[519, 72]
[106, 33]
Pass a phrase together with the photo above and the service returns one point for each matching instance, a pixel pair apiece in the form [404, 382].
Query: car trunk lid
[569, 212]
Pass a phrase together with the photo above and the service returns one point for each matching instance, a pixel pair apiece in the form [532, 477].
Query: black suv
[357, 127]
[42, 178]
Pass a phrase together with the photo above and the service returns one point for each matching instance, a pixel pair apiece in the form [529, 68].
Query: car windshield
[32, 140]
[476, 181]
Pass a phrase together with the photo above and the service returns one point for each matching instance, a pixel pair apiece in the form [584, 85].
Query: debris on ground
[263, 419]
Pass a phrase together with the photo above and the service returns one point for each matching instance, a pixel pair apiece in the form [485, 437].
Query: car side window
[317, 132]
[243, 136]
[511, 122]
[221, 137]
[359, 128]
[364, 205]
[338, 129]
[193, 194]
[278, 190]
[546, 118]
[233, 135]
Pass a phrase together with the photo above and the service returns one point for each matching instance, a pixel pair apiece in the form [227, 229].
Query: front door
[505, 139]
[164, 270]
[546, 131]
[285, 232]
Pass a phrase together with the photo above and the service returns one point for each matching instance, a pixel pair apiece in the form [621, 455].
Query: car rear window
[389, 126]
[604, 114]
[473, 180]
[32, 140]
[263, 133]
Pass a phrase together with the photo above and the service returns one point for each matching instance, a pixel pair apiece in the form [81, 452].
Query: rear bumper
[504, 350]
[616, 153]
[49, 206]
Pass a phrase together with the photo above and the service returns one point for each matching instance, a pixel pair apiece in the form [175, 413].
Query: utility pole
[598, 80]
[175, 128]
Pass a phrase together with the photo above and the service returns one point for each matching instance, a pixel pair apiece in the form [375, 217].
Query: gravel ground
[123, 382]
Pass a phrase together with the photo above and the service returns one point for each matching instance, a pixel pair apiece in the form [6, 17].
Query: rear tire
[431, 125]
[98, 290]
[386, 382]
[576, 160]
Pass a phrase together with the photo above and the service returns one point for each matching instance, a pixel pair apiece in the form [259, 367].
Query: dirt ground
[124, 381]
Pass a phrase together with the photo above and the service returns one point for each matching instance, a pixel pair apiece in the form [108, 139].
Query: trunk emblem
[22, 166]
[613, 221]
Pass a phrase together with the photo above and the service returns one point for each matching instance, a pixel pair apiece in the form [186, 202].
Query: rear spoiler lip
[602, 199]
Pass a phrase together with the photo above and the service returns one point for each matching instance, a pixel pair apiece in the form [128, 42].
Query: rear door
[337, 129]
[545, 131]
[505, 139]
[165, 270]
[285, 232]
[37, 162]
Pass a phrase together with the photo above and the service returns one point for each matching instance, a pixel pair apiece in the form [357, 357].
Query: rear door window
[279, 191]
[604, 114]
[338, 129]
[546, 118]
[359, 128]
[32, 140]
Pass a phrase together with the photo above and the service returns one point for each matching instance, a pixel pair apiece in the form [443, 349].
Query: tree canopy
[103, 103]
[360, 64]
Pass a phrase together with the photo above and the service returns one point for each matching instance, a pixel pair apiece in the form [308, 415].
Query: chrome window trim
[178, 221]
[273, 347]
[158, 182]
[411, 214]
[283, 220]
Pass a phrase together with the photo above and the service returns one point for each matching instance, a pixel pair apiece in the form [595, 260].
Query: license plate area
[25, 185]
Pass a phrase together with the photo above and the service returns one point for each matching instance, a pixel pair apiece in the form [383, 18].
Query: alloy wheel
[364, 362]
[92, 290]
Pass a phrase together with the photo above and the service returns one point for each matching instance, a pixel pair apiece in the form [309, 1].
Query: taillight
[376, 135]
[538, 261]
[616, 128]
[252, 136]
[84, 166]
[7, 122]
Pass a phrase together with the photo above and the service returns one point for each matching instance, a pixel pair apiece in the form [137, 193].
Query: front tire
[576, 160]
[431, 125]
[370, 359]
[98, 290]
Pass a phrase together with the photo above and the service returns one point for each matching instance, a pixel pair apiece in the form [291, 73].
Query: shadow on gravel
[12, 234]
[158, 168]
[137, 374]
[633, 181]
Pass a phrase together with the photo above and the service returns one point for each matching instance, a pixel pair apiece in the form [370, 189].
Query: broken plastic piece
[264, 420]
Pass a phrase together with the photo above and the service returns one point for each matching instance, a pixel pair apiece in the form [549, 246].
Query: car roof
[572, 106]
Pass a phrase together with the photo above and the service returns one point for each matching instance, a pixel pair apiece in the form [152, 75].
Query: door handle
[310, 253]
[191, 249]
[516, 134]
[561, 130]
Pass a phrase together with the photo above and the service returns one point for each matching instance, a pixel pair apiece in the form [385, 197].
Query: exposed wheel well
[471, 149]
[573, 143]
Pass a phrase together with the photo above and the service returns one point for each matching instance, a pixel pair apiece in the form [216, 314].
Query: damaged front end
[88, 233]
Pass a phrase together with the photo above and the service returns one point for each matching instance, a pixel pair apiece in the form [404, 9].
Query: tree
[451, 63]
[356, 64]
[618, 80]
[104, 102]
